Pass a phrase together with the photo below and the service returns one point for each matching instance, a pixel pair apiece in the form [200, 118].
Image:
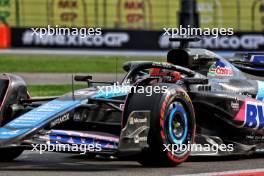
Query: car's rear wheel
[9, 154]
[172, 126]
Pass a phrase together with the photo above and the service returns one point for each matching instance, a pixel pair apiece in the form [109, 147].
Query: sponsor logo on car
[234, 105]
[138, 139]
[254, 115]
[60, 120]
[251, 114]
[220, 69]
[134, 120]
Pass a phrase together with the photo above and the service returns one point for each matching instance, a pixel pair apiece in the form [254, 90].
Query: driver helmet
[168, 75]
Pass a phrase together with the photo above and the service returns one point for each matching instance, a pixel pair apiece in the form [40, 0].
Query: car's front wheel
[172, 126]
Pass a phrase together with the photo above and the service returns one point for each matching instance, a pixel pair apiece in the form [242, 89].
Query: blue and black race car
[195, 98]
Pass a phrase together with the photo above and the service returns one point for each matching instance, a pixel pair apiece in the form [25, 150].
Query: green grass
[65, 64]
[52, 90]
[62, 64]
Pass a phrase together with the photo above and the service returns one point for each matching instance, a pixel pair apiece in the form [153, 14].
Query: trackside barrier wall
[136, 40]
[4, 36]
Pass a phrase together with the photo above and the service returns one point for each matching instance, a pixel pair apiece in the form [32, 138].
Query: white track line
[225, 173]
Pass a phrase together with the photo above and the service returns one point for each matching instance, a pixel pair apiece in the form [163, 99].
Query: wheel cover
[177, 129]
[178, 124]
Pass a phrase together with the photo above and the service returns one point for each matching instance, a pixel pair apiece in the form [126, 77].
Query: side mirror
[82, 78]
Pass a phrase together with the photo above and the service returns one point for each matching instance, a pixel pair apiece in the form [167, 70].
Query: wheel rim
[178, 123]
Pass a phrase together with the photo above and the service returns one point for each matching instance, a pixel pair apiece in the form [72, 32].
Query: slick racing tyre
[9, 154]
[172, 125]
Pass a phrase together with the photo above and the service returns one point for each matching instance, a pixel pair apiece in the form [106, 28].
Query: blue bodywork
[37, 118]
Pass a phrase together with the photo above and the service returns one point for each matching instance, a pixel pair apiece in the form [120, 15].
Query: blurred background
[132, 30]
[242, 15]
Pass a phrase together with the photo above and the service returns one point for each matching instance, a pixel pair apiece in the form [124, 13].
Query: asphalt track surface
[64, 164]
[65, 78]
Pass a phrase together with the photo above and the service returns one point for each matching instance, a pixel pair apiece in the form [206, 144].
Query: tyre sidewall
[158, 124]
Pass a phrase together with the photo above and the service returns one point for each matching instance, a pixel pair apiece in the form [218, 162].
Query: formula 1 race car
[196, 97]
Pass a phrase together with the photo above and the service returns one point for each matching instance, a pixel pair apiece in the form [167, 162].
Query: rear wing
[255, 58]
[252, 63]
